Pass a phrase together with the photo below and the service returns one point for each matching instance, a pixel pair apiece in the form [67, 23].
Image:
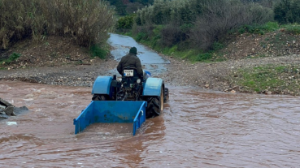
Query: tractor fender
[102, 85]
[152, 87]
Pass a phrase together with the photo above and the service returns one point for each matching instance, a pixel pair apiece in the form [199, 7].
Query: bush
[270, 26]
[133, 7]
[96, 51]
[217, 46]
[287, 11]
[11, 58]
[125, 22]
[220, 17]
[259, 29]
[164, 12]
[144, 32]
[141, 36]
[87, 22]
[15, 21]
[292, 29]
[204, 57]
[200, 25]
[172, 35]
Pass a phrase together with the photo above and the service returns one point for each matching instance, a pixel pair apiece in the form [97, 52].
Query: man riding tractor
[130, 68]
[131, 61]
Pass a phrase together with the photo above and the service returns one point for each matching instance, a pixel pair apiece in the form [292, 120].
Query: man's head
[133, 50]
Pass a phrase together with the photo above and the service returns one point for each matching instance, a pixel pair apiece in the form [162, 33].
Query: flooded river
[197, 129]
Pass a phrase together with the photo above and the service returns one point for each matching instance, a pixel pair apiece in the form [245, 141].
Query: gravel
[214, 76]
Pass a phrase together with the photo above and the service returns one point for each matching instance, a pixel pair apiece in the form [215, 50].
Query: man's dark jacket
[132, 61]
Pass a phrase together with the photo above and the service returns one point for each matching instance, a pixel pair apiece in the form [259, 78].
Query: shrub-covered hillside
[86, 22]
[199, 22]
[205, 26]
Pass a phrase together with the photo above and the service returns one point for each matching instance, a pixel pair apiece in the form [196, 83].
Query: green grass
[10, 59]
[96, 51]
[259, 29]
[192, 55]
[269, 27]
[292, 29]
[277, 79]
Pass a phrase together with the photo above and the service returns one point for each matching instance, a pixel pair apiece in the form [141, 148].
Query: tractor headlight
[138, 81]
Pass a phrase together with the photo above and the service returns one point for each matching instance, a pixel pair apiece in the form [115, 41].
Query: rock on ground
[7, 109]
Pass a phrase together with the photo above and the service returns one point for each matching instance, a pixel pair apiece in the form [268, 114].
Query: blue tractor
[133, 88]
[129, 99]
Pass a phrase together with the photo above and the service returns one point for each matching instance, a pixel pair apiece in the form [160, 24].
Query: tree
[287, 11]
[219, 17]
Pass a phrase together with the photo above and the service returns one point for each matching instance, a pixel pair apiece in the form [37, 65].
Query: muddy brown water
[197, 129]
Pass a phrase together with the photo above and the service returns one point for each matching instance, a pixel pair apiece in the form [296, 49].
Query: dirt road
[214, 76]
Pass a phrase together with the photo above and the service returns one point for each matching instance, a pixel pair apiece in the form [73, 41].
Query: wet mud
[197, 129]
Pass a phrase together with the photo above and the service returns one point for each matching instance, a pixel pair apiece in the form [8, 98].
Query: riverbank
[220, 76]
[225, 76]
[254, 62]
[231, 75]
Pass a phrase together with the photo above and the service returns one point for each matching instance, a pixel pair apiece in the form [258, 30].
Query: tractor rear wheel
[98, 97]
[166, 95]
[155, 105]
